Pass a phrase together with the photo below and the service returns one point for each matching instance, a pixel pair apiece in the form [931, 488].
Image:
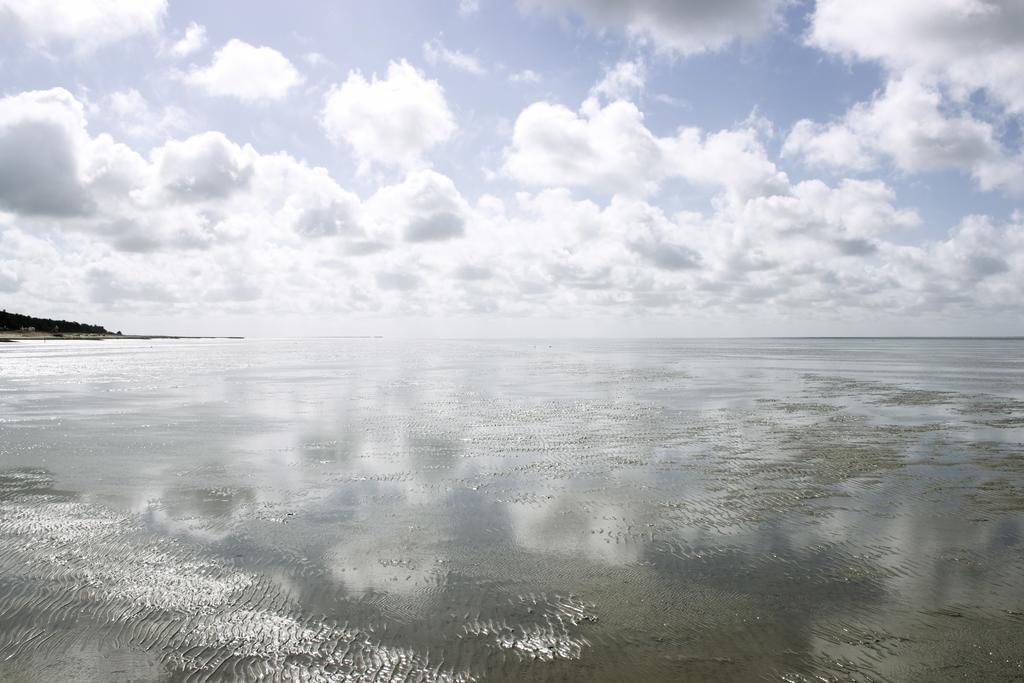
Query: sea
[512, 510]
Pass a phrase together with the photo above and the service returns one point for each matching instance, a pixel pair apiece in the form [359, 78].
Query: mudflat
[368, 509]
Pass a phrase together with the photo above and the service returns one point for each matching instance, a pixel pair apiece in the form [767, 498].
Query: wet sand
[728, 510]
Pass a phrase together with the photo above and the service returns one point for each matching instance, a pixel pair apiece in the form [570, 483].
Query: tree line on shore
[16, 321]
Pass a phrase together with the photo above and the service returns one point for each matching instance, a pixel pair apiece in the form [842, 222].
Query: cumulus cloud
[425, 207]
[207, 224]
[733, 159]
[50, 166]
[623, 82]
[83, 26]
[967, 45]
[809, 243]
[392, 121]
[190, 194]
[331, 217]
[610, 148]
[849, 215]
[41, 136]
[203, 220]
[315, 205]
[649, 233]
[246, 72]
[974, 268]
[938, 57]
[48, 184]
[679, 27]
[137, 118]
[908, 124]
[205, 166]
[193, 41]
[435, 52]
[976, 250]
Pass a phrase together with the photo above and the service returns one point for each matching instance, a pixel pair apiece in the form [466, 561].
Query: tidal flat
[401, 510]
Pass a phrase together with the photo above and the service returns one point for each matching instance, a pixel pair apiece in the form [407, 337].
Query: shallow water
[510, 510]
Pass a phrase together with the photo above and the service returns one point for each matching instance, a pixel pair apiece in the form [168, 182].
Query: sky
[515, 168]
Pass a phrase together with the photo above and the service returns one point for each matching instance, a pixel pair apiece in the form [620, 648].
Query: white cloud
[467, 7]
[42, 134]
[207, 225]
[908, 123]
[393, 121]
[138, 119]
[625, 81]
[525, 76]
[435, 53]
[671, 101]
[50, 166]
[837, 145]
[848, 215]
[733, 159]
[975, 269]
[648, 232]
[315, 59]
[425, 207]
[809, 245]
[203, 222]
[610, 148]
[313, 206]
[247, 72]
[679, 27]
[205, 166]
[966, 45]
[938, 57]
[84, 26]
[193, 41]
[976, 250]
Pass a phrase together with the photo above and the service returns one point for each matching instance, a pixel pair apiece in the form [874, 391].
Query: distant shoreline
[14, 336]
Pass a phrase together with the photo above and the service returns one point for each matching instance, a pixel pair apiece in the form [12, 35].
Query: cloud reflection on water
[592, 509]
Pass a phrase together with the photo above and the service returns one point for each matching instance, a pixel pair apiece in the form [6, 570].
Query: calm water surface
[508, 510]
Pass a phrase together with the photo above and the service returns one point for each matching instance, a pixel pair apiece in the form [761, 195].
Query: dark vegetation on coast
[15, 322]
[18, 327]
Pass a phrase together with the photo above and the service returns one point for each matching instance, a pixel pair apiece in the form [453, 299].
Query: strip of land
[18, 327]
[9, 336]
